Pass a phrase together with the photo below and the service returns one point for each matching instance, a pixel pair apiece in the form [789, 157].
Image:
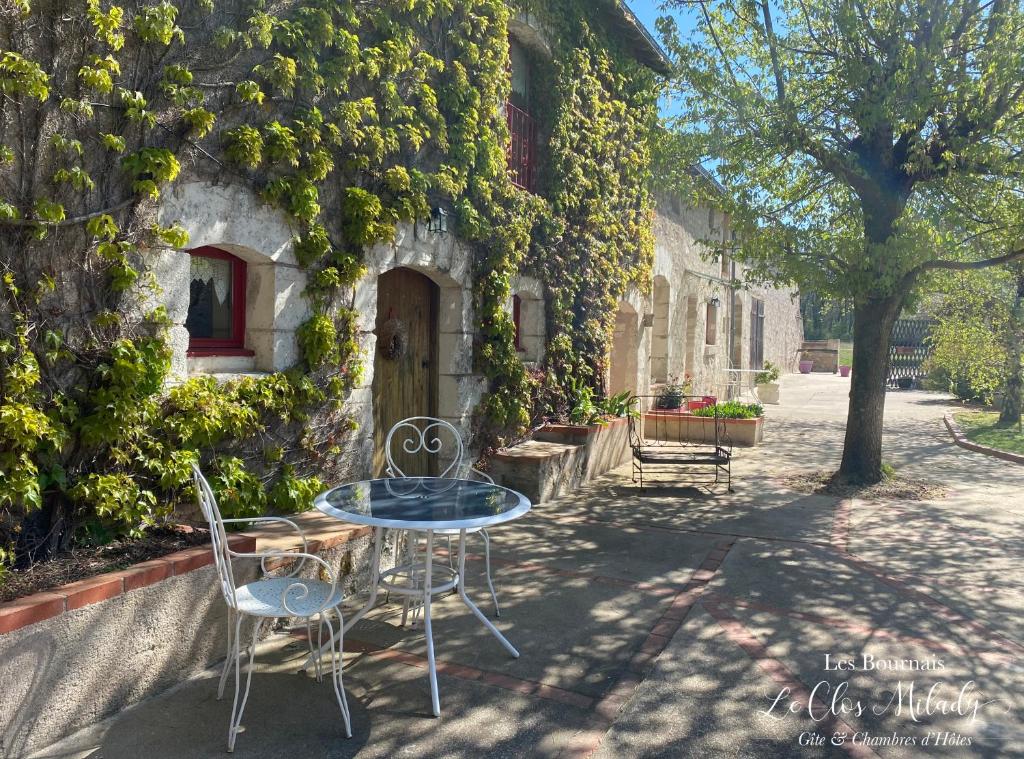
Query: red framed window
[517, 321]
[216, 304]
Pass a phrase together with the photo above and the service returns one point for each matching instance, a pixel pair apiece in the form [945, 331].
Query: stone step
[540, 470]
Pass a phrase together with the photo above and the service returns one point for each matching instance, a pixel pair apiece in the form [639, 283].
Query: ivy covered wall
[349, 117]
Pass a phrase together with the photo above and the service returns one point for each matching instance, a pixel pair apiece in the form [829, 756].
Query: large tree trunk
[873, 320]
[1011, 409]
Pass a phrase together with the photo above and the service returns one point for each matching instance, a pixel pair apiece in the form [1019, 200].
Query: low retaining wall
[961, 439]
[606, 445]
[824, 354]
[80, 653]
[561, 457]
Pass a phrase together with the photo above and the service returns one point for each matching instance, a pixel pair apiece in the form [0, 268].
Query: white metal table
[422, 505]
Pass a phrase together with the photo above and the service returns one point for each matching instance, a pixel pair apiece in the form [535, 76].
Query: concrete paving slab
[572, 633]
[706, 698]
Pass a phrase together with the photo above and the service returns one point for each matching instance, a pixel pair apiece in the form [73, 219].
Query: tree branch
[65, 222]
[985, 263]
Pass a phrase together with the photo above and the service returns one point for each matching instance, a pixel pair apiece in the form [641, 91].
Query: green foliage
[620, 404]
[860, 150]
[349, 118]
[583, 407]
[318, 340]
[672, 394]
[731, 410]
[969, 340]
[768, 375]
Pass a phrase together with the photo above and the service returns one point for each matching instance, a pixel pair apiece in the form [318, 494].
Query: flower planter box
[768, 392]
[685, 427]
[606, 445]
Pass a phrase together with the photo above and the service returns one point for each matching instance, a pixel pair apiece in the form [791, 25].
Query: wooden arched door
[405, 384]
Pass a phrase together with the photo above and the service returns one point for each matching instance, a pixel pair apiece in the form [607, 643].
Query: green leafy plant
[731, 410]
[620, 404]
[768, 375]
[583, 408]
[671, 395]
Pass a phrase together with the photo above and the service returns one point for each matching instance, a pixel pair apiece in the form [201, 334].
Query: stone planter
[685, 427]
[768, 392]
[844, 371]
[606, 445]
[806, 367]
[561, 457]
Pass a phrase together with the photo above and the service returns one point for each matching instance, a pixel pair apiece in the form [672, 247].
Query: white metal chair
[424, 434]
[273, 596]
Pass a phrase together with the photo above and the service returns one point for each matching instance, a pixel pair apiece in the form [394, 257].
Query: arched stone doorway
[624, 358]
[405, 362]
[660, 332]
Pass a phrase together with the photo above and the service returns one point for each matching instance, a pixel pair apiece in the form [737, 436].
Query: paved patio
[665, 623]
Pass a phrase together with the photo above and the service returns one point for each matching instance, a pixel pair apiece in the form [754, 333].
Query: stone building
[707, 323]
[236, 297]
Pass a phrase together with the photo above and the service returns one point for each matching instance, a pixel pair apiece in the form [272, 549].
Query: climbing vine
[350, 117]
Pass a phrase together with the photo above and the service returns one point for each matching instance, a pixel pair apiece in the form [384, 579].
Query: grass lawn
[980, 427]
[846, 354]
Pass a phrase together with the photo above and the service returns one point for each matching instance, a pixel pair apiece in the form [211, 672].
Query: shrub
[770, 374]
[732, 410]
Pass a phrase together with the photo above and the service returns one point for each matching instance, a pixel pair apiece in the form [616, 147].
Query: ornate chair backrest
[218, 536]
[425, 434]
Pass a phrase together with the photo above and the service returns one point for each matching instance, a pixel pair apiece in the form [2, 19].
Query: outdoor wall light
[438, 221]
[715, 301]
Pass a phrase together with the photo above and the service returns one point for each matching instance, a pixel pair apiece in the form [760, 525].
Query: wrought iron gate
[909, 349]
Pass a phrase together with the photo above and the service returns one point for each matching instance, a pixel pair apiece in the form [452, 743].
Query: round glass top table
[416, 508]
[423, 503]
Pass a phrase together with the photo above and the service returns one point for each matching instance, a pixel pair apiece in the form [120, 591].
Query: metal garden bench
[667, 440]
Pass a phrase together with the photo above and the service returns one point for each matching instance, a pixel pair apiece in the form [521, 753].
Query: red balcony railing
[522, 148]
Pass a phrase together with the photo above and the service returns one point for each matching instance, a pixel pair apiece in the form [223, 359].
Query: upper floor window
[216, 303]
[522, 145]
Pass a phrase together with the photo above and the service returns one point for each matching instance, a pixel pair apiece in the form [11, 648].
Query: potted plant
[767, 381]
[806, 366]
[844, 370]
[671, 395]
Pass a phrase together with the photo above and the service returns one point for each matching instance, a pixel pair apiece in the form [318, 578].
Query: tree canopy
[858, 139]
[864, 145]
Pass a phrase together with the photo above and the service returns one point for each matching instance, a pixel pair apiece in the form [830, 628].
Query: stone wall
[233, 219]
[694, 283]
[65, 670]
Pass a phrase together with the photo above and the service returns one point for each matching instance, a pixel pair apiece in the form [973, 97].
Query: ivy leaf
[199, 120]
[20, 76]
[102, 226]
[46, 210]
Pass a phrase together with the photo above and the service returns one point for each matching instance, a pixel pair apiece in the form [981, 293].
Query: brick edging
[38, 607]
[28, 610]
[961, 440]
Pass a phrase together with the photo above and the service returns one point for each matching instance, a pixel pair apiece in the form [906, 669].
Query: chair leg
[337, 664]
[231, 660]
[487, 561]
[238, 707]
